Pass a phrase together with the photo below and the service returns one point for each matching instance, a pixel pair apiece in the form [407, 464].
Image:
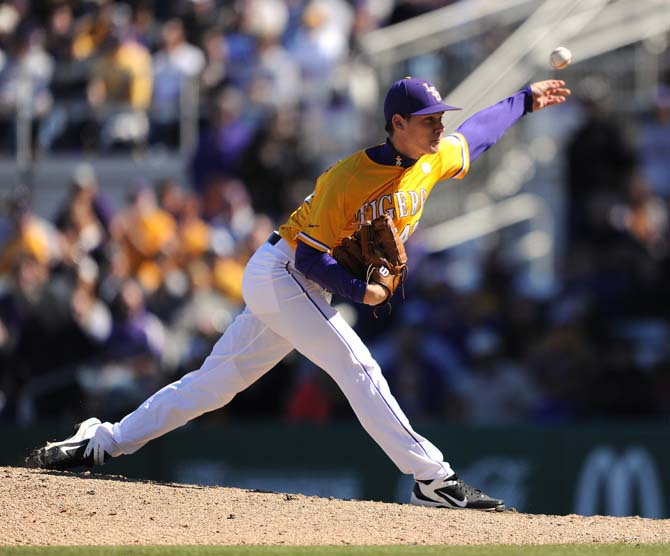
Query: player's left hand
[548, 93]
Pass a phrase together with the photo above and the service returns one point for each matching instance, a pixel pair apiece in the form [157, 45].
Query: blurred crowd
[102, 304]
[99, 75]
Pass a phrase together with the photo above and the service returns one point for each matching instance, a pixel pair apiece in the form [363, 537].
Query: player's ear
[398, 122]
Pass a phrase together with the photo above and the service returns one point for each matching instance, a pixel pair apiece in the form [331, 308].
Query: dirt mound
[51, 508]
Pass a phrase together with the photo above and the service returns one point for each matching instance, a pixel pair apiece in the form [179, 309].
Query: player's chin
[434, 146]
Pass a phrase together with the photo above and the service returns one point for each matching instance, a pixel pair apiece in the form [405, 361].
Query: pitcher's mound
[58, 508]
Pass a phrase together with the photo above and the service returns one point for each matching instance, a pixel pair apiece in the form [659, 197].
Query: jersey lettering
[414, 196]
[386, 199]
[358, 187]
[401, 201]
[384, 205]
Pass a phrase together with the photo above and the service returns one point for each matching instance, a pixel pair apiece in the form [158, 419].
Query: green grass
[397, 550]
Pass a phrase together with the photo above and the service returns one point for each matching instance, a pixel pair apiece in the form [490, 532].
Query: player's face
[420, 135]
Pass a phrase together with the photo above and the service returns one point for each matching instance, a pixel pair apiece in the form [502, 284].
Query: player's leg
[246, 351]
[322, 335]
[308, 321]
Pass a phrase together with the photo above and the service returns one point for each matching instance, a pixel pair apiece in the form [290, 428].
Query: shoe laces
[468, 490]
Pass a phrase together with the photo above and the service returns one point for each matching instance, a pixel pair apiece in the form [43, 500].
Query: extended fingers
[548, 85]
[559, 91]
[548, 93]
[551, 84]
[555, 83]
[551, 100]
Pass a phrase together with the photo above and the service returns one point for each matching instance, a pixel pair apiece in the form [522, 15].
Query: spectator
[222, 145]
[59, 314]
[562, 362]
[176, 67]
[215, 73]
[120, 91]
[134, 352]
[227, 207]
[93, 27]
[28, 235]
[654, 144]
[275, 77]
[171, 196]
[494, 390]
[148, 237]
[194, 233]
[145, 29]
[84, 220]
[89, 312]
[273, 161]
[320, 44]
[200, 16]
[24, 78]
[135, 329]
[600, 162]
[65, 125]
[313, 398]
[60, 33]
[644, 216]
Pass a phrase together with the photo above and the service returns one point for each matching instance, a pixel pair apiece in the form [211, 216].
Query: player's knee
[217, 383]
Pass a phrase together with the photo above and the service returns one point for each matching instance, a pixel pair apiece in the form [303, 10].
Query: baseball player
[289, 281]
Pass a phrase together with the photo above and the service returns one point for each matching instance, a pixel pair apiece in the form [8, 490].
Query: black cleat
[453, 493]
[76, 451]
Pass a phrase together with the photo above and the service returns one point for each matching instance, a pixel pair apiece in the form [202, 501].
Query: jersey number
[404, 235]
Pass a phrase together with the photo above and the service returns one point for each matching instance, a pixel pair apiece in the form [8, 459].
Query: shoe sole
[418, 502]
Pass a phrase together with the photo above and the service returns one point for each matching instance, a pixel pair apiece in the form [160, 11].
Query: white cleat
[79, 450]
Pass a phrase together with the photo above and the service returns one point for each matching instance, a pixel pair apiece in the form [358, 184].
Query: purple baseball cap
[414, 97]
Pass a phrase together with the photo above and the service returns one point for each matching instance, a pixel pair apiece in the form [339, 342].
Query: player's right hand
[548, 93]
[375, 294]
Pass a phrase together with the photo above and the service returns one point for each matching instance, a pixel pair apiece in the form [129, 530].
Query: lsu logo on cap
[433, 91]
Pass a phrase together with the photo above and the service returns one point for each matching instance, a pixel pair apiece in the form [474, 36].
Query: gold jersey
[357, 189]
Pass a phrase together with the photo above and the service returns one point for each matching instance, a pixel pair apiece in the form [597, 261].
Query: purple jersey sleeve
[483, 129]
[326, 271]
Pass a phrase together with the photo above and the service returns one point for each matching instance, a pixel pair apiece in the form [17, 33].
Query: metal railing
[534, 248]
[186, 118]
[442, 27]
[590, 28]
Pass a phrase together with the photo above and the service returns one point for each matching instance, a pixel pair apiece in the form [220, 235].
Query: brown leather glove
[375, 253]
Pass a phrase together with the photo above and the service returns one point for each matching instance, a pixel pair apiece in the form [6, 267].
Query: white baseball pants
[285, 310]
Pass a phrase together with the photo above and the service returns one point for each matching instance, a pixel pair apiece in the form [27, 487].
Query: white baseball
[560, 58]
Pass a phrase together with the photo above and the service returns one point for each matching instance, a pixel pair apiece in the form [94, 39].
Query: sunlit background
[148, 148]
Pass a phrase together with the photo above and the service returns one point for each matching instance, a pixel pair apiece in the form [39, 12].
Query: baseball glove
[375, 253]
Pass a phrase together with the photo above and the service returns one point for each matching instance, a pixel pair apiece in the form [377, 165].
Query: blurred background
[148, 148]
